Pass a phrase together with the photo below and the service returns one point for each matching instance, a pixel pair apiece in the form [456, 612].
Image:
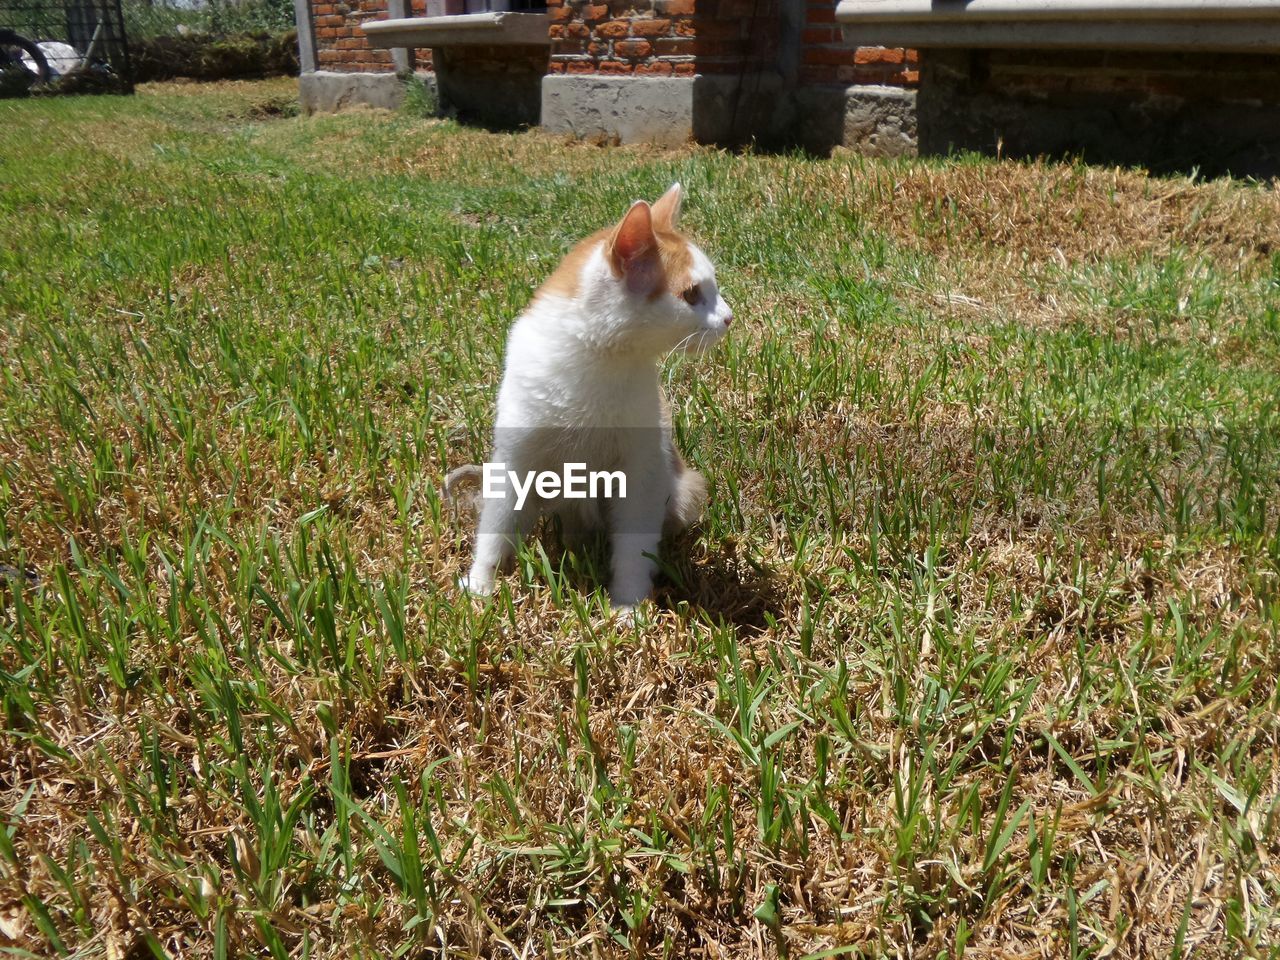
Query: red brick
[613, 30]
[594, 11]
[556, 31]
[686, 69]
[659, 68]
[878, 73]
[676, 8]
[613, 67]
[597, 49]
[650, 29]
[562, 14]
[557, 66]
[577, 31]
[913, 56]
[633, 49]
[581, 66]
[562, 47]
[685, 28]
[877, 55]
[674, 46]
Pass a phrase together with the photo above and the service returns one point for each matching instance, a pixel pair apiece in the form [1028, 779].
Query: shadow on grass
[694, 577]
[723, 585]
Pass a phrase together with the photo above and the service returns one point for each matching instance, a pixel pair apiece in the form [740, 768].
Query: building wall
[780, 71]
[659, 38]
[684, 37]
[827, 59]
[765, 69]
[342, 46]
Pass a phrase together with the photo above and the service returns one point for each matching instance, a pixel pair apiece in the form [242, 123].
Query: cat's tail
[467, 475]
[688, 499]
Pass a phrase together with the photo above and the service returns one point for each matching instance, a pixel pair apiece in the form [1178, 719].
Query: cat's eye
[693, 295]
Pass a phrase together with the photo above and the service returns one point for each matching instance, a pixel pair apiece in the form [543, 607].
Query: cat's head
[649, 285]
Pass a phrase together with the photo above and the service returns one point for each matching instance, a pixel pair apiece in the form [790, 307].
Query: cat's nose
[728, 317]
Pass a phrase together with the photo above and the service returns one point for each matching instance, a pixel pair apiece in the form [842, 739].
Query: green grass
[974, 654]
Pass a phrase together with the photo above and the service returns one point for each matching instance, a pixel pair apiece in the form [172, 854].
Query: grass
[975, 653]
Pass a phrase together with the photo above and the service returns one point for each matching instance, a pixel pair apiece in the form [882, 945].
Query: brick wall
[827, 59]
[342, 46]
[683, 37]
[648, 38]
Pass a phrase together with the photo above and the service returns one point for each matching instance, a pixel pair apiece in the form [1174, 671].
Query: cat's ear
[633, 241]
[666, 212]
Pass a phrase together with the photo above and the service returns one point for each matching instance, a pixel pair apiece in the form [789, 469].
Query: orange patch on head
[644, 247]
[566, 280]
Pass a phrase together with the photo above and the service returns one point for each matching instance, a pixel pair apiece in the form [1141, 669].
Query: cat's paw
[626, 615]
[477, 586]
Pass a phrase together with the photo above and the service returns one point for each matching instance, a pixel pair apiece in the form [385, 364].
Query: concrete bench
[465, 29]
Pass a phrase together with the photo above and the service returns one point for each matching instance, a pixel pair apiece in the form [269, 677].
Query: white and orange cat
[581, 385]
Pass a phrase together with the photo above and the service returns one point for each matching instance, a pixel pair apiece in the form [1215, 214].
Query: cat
[581, 385]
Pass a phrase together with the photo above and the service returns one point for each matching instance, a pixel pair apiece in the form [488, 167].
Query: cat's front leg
[635, 530]
[501, 530]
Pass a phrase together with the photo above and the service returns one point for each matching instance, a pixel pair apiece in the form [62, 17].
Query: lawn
[974, 654]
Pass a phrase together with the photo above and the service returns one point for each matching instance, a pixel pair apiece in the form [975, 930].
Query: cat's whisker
[680, 346]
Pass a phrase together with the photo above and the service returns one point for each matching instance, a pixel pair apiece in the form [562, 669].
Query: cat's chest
[573, 395]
